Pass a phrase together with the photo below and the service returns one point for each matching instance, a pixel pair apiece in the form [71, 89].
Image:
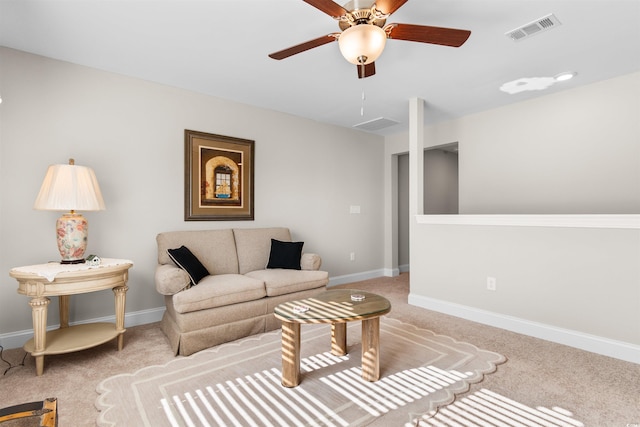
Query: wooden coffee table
[336, 307]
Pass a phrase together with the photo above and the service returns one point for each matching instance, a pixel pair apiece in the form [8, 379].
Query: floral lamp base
[72, 229]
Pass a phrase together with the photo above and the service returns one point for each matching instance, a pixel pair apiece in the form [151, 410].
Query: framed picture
[218, 177]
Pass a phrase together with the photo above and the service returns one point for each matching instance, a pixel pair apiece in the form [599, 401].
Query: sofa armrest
[310, 262]
[171, 279]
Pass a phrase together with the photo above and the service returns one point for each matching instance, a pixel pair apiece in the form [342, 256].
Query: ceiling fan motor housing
[369, 15]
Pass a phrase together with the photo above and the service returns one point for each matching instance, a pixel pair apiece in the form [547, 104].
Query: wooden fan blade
[329, 7]
[367, 70]
[389, 6]
[290, 51]
[425, 34]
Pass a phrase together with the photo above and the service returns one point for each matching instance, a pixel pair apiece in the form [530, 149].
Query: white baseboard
[18, 338]
[391, 272]
[365, 275]
[595, 344]
[356, 277]
[607, 347]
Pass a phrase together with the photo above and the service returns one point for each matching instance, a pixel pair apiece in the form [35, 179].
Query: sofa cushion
[216, 249]
[254, 244]
[281, 281]
[285, 255]
[217, 291]
[187, 261]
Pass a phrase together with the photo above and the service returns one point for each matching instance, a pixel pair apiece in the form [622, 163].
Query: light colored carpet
[599, 391]
[239, 383]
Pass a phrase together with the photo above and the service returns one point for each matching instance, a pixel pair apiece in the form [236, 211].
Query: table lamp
[70, 188]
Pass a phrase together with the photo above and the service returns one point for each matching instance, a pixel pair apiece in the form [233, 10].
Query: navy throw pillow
[187, 261]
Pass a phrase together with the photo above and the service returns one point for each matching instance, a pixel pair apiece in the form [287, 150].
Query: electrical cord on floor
[8, 363]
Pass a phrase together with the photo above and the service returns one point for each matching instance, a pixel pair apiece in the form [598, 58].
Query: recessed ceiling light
[563, 77]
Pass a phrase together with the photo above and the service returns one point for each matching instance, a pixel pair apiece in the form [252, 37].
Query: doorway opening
[440, 191]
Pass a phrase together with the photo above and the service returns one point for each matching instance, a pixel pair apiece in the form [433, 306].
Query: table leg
[339, 339]
[371, 349]
[39, 317]
[120, 295]
[63, 302]
[290, 354]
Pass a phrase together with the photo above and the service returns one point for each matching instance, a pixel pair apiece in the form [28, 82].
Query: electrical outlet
[491, 283]
[352, 256]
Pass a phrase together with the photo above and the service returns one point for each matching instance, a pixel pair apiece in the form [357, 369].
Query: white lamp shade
[69, 187]
[363, 41]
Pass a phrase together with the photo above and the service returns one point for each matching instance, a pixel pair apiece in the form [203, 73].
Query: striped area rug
[238, 384]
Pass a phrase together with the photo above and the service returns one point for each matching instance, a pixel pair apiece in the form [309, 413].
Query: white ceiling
[220, 48]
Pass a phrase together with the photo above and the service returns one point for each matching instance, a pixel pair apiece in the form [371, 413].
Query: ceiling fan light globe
[364, 41]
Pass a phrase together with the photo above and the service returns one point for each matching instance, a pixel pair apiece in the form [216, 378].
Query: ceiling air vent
[376, 124]
[535, 27]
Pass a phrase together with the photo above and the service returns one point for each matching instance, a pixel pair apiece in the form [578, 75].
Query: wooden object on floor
[34, 281]
[36, 414]
[336, 307]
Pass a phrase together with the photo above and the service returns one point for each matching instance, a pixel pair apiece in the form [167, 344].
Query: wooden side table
[45, 280]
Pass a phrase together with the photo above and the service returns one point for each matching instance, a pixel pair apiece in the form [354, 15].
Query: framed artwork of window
[218, 177]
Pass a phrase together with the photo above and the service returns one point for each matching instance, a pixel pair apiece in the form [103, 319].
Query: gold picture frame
[218, 177]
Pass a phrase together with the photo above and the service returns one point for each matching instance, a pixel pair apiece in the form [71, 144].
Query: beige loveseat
[238, 296]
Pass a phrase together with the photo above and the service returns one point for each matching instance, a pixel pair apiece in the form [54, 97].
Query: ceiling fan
[364, 33]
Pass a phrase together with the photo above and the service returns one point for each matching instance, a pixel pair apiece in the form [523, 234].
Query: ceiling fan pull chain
[362, 105]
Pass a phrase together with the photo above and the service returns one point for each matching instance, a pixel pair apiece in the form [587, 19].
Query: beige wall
[565, 284]
[575, 151]
[132, 133]
[572, 152]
